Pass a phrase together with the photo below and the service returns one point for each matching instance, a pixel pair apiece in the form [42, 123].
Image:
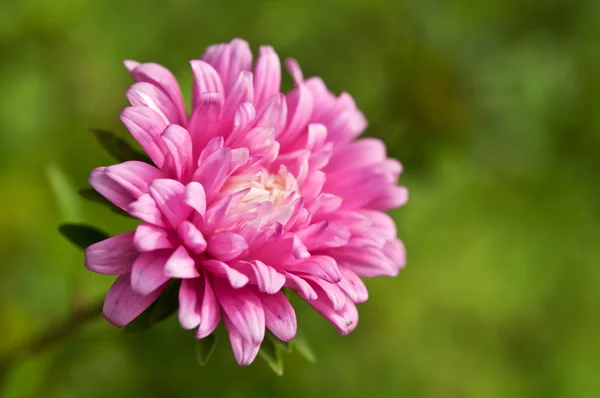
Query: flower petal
[345, 320]
[353, 286]
[147, 273]
[146, 210]
[179, 144]
[226, 246]
[213, 171]
[229, 60]
[267, 79]
[162, 78]
[149, 237]
[191, 237]
[322, 267]
[264, 276]
[223, 270]
[244, 310]
[301, 286]
[168, 195]
[110, 189]
[244, 351]
[112, 256]
[195, 197]
[122, 305]
[280, 317]
[146, 126]
[209, 311]
[205, 120]
[147, 94]
[206, 80]
[134, 176]
[181, 265]
[188, 311]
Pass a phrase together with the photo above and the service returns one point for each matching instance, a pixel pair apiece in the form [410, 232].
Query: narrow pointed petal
[213, 171]
[223, 270]
[244, 310]
[147, 94]
[188, 313]
[395, 251]
[205, 120]
[323, 235]
[195, 197]
[322, 267]
[179, 144]
[146, 126]
[226, 246]
[112, 256]
[147, 273]
[149, 237]
[168, 195]
[267, 78]
[242, 91]
[192, 237]
[280, 317]
[353, 286]
[134, 176]
[110, 189]
[273, 114]
[162, 78]
[146, 210]
[345, 320]
[245, 352]
[267, 279]
[210, 313]
[206, 80]
[331, 291]
[122, 305]
[301, 286]
[181, 265]
[229, 60]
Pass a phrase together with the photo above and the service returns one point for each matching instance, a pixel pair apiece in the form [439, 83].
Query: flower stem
[54, 334]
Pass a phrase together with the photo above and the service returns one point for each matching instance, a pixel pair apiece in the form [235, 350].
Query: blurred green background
[491, 106]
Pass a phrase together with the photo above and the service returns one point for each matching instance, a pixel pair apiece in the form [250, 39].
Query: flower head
[252, 192]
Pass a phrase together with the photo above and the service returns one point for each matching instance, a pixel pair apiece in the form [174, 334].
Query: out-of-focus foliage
[491, 105]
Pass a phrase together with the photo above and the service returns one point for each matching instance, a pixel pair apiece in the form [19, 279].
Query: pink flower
[254, 191]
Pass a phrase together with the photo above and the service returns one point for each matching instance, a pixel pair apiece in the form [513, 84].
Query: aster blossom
[251, 192]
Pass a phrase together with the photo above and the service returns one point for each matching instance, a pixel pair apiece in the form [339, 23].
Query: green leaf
[82, 235]
[284, 345]
[271, 353]
[205, 348]
[93, 196]
[303, 348]
[167, 303]
[64, 192]
[117, 147]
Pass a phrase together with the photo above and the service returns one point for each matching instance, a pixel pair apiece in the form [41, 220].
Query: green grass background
[493, 108]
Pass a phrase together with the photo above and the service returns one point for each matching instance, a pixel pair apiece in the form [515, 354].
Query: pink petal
[168, 195]
[147, 273]
[181, 265]
[223, 270]
[122, 305]
[179, 144]
[134, 176]
[110, 189]
[280, 317]
[267, 78]
[301, 286]
[244, 310]
[226, 246]
[244, 114]
[322, 267]
[242, 91]
[209, 311]
[195, 197]
[146, 210]
[229, 60]
[188, 313]
[244, 351]
[205, 120]
[147, 94]
[213, 171]
[392, 198]
[146, 126]
[206, 80]
[395, 251]
[345, 319]
[273, 114]
[130, 65]
[149, 237]
[266, 277]
[191, 237]
[300, 106]
[323, 235]
[353, 286]
[295, 71]
[112, 256]
[368, 262]
[333, 293]
[162, 78]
